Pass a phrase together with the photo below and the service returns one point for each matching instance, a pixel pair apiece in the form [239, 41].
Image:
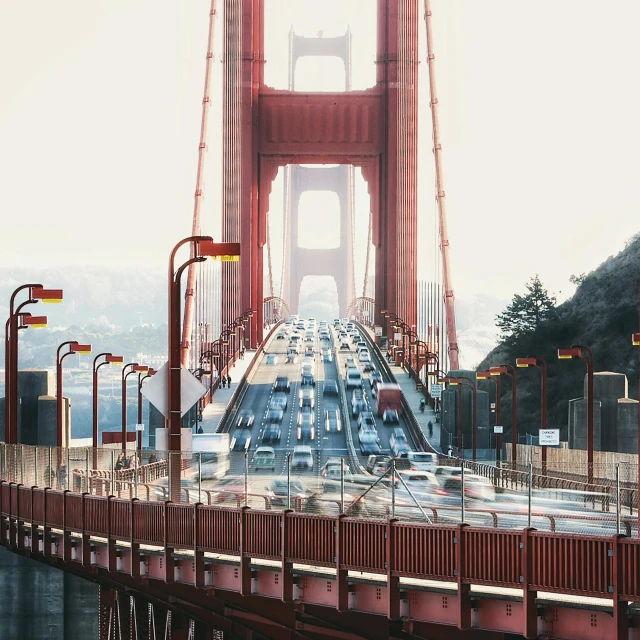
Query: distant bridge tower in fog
[336, 262]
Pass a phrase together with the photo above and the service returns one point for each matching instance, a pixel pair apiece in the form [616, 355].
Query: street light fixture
[509, 371]
[201, 248]
[36, 293]
[74, 347]
[133, 367]
[541, 364]
[576, 351]
[486, 375]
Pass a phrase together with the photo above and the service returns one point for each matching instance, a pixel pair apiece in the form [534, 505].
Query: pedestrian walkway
[215, 409]
[408, 386]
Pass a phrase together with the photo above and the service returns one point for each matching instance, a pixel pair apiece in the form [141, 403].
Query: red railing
[605, 567]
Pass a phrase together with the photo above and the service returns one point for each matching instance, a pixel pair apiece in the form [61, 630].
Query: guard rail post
[342, 586]
[464, 601]
[245, 567]
[529, 606]
[620, 607]
[286, 594]
[135, 546]
[393, 581]
[169, 562]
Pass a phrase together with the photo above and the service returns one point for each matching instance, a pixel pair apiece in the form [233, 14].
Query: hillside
[602, 314]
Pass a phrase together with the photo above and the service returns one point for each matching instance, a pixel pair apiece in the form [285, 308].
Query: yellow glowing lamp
[115, 359]
[635, 339]
[567, 354]
[525, 362]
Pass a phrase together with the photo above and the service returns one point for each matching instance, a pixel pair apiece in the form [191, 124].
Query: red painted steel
[121, 518]
[6, 498]
[302, 528]
[219, 530]
[55, 508]
[38, 505]
[363, 545]
[630, 578]
[571, 564]
[95, 515]
[24, 502]
[180, 525]
[263, 539]
[493, 557]
[148, 518]
[424, 552]
[73, 510]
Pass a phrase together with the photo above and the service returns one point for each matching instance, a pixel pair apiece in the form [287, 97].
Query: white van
[421, 461]
[354, 379]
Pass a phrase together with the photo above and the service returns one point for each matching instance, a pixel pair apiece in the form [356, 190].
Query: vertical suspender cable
[195, 230]
[440, 195]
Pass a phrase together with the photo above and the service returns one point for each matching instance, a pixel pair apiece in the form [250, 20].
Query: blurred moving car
[398, 442]
[274, 416]
[332, 420]
[271, 434]
[331, 468]
[390, 416]
[278, 492]
[245, 419]
[306, 429]
[279, 401]
[271, 359]
[302, 457]
[281, 383]
[330, 388]
[422, 460]
[306, 398]
[264, 458]
[188, 491]
[241, 440]
[373, 460]
[369, 442]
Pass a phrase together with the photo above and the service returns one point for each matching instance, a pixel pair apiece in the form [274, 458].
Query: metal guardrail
[420, 440]
[224, 426]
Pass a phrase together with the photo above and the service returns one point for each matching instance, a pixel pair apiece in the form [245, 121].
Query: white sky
[100, 112]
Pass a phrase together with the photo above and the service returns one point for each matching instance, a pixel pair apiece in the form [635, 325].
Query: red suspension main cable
[440, 197]
[195, 229]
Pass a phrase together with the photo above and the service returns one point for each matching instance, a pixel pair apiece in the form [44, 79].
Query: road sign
[155, 390]
[377, 331]
[493, 405]
[436, 391]
[139, 427]
[397, 336]
[498, 429]
[549, 437]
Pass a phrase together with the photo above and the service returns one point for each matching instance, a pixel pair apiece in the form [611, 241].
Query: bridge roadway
[285, 574]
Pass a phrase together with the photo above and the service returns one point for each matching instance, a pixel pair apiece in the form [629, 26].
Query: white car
[364, 356]
[302, 457]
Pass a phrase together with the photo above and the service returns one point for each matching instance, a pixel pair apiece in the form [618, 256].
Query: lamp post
[509, 371]
[635, 340]
[74, 347]
[455, 382]
[127, 370]
[486, 375]
[576, 351]
[429, 357]
[36, 293]
[541, 364]
[463, 382]
[201, 247]
[142, 376]
[109, 358]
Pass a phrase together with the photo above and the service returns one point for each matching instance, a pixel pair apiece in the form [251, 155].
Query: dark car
[307, 380]
[390, 416]
[369, 442]
[376, 376]
[368, 366]
[330, 388]
[241, 440]
[398, 442]
[271, 434]
[282, 384]
[358, 405]
[274, 416]
[245, 419]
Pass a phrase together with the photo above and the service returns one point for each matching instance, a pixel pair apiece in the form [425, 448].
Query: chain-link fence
[477, 494]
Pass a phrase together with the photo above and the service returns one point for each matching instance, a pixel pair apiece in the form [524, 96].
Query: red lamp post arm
[59, 389]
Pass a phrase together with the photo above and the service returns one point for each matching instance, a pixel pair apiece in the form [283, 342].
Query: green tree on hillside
[526, 313]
